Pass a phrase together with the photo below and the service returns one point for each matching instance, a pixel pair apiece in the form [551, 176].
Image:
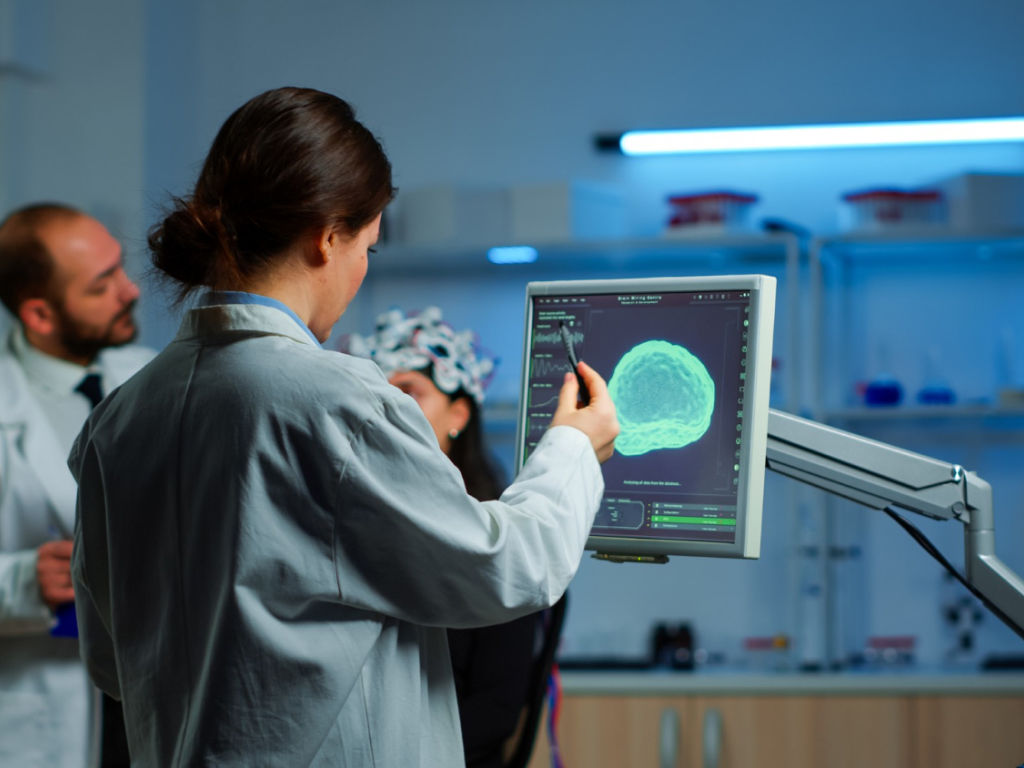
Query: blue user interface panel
[687, 362]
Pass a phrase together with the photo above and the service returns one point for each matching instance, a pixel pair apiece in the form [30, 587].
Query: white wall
[72, 122]
[498, 94]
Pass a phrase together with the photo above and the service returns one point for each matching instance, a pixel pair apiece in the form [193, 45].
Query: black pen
[570, 352]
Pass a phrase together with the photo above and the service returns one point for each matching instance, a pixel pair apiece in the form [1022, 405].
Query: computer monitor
[688, 363]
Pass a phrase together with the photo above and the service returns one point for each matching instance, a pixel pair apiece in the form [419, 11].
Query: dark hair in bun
[289, 162]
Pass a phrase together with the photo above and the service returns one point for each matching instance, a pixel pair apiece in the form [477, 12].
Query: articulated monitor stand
[880, 476]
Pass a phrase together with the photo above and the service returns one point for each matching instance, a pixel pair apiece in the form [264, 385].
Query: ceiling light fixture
[512, 254]
[783, 137]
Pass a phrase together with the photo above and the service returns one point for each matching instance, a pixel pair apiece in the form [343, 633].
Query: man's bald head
[27, 267]
[62, 276]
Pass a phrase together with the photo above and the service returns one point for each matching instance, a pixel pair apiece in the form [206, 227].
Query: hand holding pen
[570, 352]
[595, 416]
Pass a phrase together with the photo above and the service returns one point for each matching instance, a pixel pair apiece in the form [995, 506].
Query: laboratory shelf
[857, 279]
[927, 307]
[961, 413]
[724, 253]
[918, 244]
[940, 427]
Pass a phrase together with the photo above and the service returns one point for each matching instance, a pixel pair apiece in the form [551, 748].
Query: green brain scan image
[664, 397]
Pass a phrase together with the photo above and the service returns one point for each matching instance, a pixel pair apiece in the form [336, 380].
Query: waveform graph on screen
[664, 397]
[544, 365]
[555, 338]
[547, 366]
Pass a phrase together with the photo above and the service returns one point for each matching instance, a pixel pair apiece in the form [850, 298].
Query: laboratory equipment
[882, 476]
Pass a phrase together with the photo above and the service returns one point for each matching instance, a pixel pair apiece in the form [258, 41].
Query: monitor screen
[687, 361]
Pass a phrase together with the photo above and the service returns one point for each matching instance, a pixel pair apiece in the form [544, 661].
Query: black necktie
[90, 387]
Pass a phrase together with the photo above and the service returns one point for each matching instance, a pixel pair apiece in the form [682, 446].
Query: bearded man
[62, 279]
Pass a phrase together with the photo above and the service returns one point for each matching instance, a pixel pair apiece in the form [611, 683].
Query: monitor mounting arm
[879, 476]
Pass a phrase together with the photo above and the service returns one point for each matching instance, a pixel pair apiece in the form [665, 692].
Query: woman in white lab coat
[269, 539]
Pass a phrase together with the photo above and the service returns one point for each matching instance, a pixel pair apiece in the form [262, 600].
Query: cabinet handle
[668, 739]
[712, 737]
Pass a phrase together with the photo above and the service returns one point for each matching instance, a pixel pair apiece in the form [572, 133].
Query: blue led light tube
[919, 132]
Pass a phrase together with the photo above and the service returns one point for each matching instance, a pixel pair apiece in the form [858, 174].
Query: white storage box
[564, 211]
[711, 213]
[985, 201]
[888, 208]
[450, 215]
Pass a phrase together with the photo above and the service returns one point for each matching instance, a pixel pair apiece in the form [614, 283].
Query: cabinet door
[597, 731]
[805, 731]
[766, 731]
[957, 731]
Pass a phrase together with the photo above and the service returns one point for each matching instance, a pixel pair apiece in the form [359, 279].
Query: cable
[932, 550]
[554, 710]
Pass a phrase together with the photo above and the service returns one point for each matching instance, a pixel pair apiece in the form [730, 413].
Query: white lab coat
[271, 543]
[47, 717]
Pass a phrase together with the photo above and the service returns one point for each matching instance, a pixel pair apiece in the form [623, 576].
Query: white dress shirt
[52, 381]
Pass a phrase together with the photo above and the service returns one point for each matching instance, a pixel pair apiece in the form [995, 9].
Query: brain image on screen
[664, 397]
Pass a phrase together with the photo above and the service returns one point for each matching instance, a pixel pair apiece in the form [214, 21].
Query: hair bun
[287, 163]
[188, 244]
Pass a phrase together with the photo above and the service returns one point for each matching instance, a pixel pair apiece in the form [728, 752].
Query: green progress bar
[693, 520]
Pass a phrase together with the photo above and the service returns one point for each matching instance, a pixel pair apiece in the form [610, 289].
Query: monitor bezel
[754, 433]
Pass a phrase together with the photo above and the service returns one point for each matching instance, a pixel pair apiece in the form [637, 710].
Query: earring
[453, 433]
